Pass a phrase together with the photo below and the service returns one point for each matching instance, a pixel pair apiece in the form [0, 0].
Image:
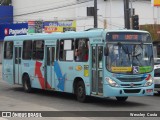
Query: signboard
[6, 14]
[13, 29]
[156, 2]
[31, 27]
[59, 26]
[35, 26]
[38, 26]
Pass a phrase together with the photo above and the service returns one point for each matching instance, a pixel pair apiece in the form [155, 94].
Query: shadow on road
[103, 102]
[156, 94]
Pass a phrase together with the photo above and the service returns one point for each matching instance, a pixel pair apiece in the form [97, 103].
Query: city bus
[96, 62]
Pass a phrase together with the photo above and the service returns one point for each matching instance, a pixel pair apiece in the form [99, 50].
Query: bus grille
[129, 85]
[131, 79]
[132, 91]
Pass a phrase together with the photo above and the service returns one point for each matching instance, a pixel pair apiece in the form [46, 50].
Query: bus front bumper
[118, 91]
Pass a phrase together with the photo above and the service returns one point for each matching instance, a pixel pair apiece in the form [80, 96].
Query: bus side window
[57, 50]
[66, 50]
[81, 50]
[8, 50]
[27, 50]
[100, 56]
[61, 50]
[38, 50]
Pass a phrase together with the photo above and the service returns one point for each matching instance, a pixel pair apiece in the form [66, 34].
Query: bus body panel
[131, 88]
[142, 91]
[68, 74]
[7, 73]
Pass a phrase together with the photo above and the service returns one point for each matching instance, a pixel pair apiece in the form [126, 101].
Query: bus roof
[67, 35]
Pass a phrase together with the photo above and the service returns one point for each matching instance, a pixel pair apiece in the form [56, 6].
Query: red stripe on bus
[38, 73]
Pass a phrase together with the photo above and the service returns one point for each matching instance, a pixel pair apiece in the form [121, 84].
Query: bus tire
[121, 99]
[81, 92]
[26, 84]
[158, 92]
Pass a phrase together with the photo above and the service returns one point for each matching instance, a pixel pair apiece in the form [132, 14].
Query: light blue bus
[97, 62]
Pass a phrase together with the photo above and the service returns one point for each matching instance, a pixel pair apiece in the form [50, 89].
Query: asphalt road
[13, 98]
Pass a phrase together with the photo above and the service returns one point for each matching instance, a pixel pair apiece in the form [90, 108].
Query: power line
[40, 5]
[68, 5]
[56, 8]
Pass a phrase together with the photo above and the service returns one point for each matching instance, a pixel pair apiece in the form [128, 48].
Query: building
[110, 12]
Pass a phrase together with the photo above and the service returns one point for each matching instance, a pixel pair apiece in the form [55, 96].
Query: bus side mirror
[106, 51]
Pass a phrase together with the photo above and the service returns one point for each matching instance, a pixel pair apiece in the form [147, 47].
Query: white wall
[30, 6]
[111, 10]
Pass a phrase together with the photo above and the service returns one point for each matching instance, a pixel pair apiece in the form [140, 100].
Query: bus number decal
[38, 73]
[61, 78]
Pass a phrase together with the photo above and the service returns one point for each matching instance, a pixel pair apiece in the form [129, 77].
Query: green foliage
[5, 2]
[152, 29]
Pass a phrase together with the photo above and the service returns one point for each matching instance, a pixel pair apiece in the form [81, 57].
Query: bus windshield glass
[129, 58]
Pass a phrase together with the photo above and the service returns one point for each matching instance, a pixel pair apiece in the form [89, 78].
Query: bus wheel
[158, 92]
[26, 84]
[80, 92]
[121, 99]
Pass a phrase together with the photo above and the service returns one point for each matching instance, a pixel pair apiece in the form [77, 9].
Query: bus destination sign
[128, 36]
[125, 37]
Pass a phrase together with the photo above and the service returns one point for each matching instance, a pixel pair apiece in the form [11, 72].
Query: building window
[66, 50]
[81, 50]
[38, 50]
[27, 50]
[8, 50]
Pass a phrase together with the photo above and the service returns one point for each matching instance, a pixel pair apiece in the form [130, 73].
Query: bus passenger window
[81, 50]
[8, 50]
[38, 50]
[100, 56]
[66, 50]
[27, 50]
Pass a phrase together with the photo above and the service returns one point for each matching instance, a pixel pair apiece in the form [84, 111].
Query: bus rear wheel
[121, 99]
[80, 92]
[26, 84]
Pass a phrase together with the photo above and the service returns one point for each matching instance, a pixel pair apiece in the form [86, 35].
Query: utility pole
[131, 14]
[95, 14]
[126, 14]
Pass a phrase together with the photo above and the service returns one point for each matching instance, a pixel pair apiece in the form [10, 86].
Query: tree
[5, 2]
[152, 29]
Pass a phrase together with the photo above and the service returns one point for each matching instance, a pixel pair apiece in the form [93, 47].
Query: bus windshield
[129, 58]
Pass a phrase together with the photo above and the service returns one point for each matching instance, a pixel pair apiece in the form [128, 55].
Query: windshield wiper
[124, 49]
[120, 45]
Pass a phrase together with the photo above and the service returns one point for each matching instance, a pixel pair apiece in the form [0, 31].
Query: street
[13, 98]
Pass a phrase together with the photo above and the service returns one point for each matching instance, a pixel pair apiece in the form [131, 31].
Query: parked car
[157, 77]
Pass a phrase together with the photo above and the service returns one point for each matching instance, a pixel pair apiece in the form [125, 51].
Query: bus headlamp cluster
[111, 82]
[149, 80]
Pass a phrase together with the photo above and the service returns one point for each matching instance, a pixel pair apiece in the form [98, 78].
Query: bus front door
[50, 57]
[97, 74]
[17, 61]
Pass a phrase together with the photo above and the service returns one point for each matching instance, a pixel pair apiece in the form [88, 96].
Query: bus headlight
[149, 80]
[149, 83]
[112, 82]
